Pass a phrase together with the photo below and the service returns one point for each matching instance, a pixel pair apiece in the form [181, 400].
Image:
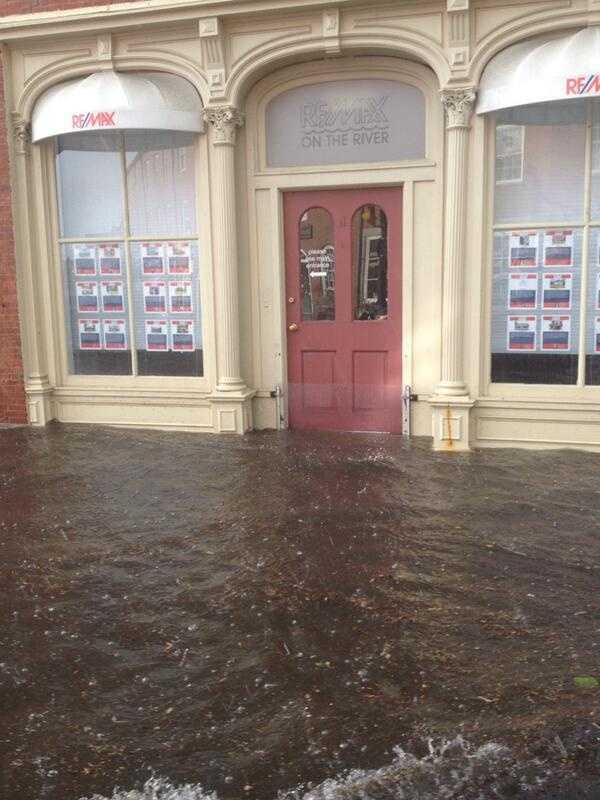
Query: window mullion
[587, 202]
[128, 265]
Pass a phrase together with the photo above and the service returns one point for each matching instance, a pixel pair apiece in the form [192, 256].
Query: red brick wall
[12, 395]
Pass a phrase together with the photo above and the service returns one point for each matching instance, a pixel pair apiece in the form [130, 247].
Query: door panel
[318, 380]
[369, 380]
[344, 305]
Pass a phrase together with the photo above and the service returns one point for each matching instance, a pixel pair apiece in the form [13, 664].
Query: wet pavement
[268, 612]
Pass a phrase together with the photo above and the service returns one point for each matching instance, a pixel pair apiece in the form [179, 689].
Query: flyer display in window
[558, 248]
[180, 297]
[182, 334]
[157, 335]
[522, 290]
[89, 334]
[110, 259]
[523, 249]
[597, 335]
[556, 333]
[179, 258]
[113, 298]
[153, 262]
[155, 297]
[115, 334]
[87, 297]
[521, 333]
[557, 290]
[84, 258]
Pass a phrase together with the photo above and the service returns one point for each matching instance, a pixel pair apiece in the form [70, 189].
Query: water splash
[448, 771]
[159, 789]
[451, 769]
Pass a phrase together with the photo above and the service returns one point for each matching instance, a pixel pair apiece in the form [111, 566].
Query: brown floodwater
[263, 614]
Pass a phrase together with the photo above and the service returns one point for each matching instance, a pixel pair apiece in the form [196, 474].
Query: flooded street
[260, 615]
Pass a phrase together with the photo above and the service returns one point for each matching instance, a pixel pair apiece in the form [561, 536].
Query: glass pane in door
[317, 265]
[369, 263]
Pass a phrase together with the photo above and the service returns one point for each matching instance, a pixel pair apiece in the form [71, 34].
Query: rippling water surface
[295, 616]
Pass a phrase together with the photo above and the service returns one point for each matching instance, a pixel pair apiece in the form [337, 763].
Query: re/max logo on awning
[101, 119]
[584, 84]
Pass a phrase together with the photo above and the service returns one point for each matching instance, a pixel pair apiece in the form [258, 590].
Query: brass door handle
[292, 327]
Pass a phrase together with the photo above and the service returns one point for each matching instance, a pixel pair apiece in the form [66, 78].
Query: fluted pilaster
[33, 305]
[458, 105]
[223, 122]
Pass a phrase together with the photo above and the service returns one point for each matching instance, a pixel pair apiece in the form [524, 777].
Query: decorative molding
[458, 28]
[451, 424]
[216, 79]
[210, 26]
[212, 44]
[458, 105]
[22, 134]
[40, 407]
[458, 57]
[331, 22]
[331, 30]
[459, 39]
[104, 47]
[232, 411]
[458, 5]
[224, 122]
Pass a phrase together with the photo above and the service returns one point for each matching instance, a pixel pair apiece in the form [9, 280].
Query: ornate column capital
[22, 134]
[458, 105]
[224, 121]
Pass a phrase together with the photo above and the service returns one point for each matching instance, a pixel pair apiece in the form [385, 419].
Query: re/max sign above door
[345, 122]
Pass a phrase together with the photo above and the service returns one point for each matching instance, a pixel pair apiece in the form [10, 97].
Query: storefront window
[155, 171]
[546, 254]
[595, 182]
[130, 253]
[89, 168]
[510, 144]
[551, 188]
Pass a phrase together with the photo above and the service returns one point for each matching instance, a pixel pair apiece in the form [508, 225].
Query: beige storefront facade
[305, 97]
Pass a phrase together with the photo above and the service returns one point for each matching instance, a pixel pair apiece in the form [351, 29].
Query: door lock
[291, 299]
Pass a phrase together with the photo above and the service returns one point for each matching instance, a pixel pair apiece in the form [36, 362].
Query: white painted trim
[102, 17]
[406, 175]
[408, 239]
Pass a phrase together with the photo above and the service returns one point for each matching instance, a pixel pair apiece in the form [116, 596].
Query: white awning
[111, 100]
[542, 69]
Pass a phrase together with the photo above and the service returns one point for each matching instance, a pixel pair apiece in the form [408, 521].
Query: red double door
[344, 305]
